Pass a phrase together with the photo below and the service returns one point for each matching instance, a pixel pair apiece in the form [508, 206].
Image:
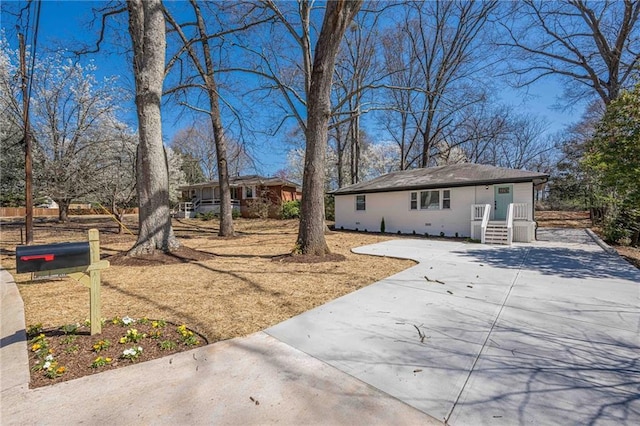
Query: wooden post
[94, 292]
[89, 276]
[28, 180]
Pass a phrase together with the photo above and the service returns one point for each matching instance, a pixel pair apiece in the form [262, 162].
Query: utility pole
[28, 199]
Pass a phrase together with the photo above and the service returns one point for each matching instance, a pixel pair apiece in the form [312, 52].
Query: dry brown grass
[239, 291]
[582, 219]
[563, 219]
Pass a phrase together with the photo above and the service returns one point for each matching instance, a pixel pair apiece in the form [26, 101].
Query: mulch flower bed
[69, 352]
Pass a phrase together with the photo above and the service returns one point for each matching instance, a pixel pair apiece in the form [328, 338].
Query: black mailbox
[49, 257]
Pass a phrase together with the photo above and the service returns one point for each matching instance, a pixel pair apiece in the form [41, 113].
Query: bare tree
[357, 73]
[524, 143]
[441, 59]
[337, 17]
[500, 137]
[483, 128]
[284, 63]
[280, 54]
[593, 45]
[403, 67]
[198, 142]
[147, 30]
[204, 66]
[302, 76]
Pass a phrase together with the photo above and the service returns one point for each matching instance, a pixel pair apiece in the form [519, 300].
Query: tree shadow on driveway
[569, 373]
[565, 262]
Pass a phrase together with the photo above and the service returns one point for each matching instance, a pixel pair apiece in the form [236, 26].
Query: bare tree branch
[592, 44]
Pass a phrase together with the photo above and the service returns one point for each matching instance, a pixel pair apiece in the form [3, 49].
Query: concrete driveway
[543, 333]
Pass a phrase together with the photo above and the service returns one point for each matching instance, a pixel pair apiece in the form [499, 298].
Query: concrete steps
[496, 233]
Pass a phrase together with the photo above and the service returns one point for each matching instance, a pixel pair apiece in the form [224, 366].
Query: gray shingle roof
[464, 174]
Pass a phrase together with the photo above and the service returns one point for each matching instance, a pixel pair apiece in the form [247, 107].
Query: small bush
[382, 225]
[291, 209]
[614, 232]
[206, 216]
[69, 328]
[259, 208]
[330, 207]
[441, 234]
[167, 345]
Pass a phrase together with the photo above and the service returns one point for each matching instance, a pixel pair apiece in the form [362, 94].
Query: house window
[430, 200]
[235, 193]
[413, 201]
[361, 203]
[248, 192]
[446, 199]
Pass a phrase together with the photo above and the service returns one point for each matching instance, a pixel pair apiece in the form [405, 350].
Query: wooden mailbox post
[46, 260]
[93, 280]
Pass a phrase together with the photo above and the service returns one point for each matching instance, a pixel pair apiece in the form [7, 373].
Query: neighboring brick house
[248, 195]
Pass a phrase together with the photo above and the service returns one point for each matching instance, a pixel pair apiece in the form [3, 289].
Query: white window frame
[430, 205]
[236, 193]
[416, 197]
[246, 192]
[445, 198]
[364, 203]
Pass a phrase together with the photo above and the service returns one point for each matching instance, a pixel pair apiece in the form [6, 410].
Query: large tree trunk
[63, 209]
[226, 217]
[118, 214]
[147, 30]
[311, 232]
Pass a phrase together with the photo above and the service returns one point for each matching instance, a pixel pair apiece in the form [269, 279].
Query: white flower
[139, 348]
[48, 358]
[46, 365]
[126, 320]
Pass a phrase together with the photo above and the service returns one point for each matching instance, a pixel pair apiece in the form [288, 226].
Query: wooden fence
[20, 212]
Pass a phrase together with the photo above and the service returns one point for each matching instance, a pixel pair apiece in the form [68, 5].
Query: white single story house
[491, 204]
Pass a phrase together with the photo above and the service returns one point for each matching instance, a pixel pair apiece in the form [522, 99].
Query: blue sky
[63, 23]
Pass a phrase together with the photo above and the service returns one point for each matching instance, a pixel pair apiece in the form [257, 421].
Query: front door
[503, 196]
